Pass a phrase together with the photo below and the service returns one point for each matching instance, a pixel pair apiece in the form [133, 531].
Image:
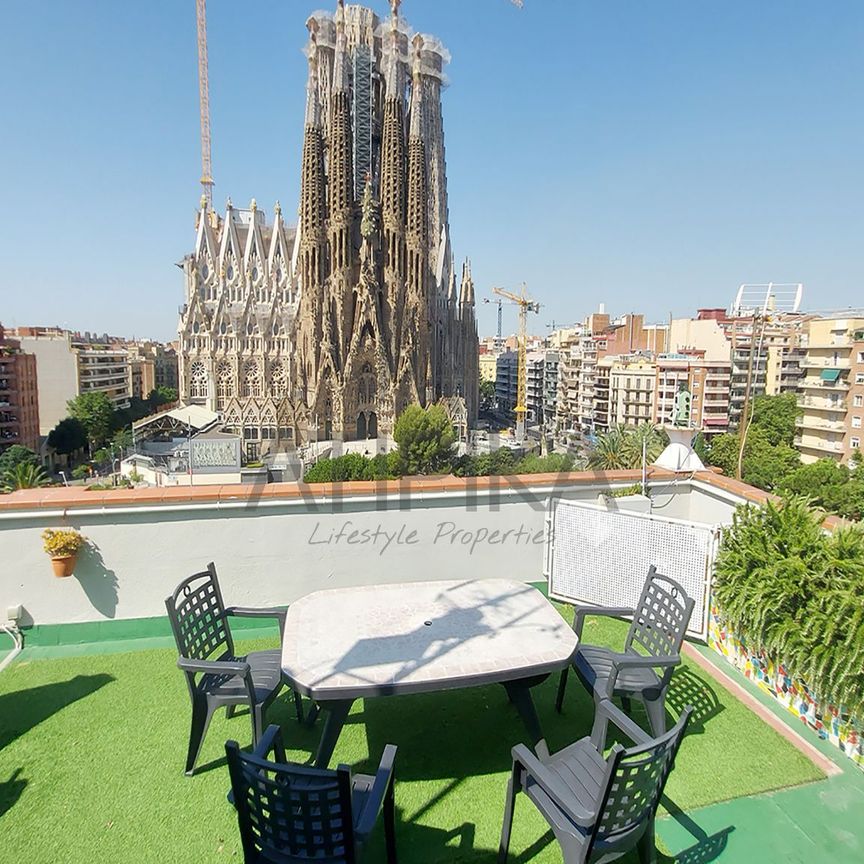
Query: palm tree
[609, 450]
[652, 437]
[24, 475]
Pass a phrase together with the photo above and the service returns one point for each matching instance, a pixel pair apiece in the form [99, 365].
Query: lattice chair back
[661, 618]
[198, 618]
[638, 776]
[289, 813]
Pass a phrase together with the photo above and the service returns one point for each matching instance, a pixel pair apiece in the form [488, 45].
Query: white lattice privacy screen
[601, 557]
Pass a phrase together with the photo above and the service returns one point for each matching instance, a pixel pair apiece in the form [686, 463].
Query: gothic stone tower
[378, 323]
[236, 325]
[331, 330]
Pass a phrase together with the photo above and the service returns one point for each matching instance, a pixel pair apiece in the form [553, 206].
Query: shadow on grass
[10, 791]
[687, 688]
[21, 710]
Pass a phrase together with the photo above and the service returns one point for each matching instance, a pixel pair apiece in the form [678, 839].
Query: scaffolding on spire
[204, 101]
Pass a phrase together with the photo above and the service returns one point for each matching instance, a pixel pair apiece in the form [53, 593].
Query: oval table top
[415, 637]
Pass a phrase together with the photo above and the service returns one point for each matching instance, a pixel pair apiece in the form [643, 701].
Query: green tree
[15, 455]
[652, 437]
[122, 439]
[765, 465]
[621, 447]
[487, 393]
[775, 416]
[68, 436]
[96, 414]
[24, 475]
[425, 439]
[821, 482]
[162, 395]
[789, 588]
[609, 450]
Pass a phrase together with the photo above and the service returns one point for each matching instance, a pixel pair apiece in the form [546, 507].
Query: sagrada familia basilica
[330, 329]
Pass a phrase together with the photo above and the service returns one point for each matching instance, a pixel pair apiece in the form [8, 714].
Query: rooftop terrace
[94, 714]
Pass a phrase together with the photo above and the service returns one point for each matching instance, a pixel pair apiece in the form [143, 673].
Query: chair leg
[257, 713]
[200, 721]
[229, 711]
[504, 845]
[646, 848]
[656, 709]
[562, 686]
[298, 706]
[625, 704]
[390, 824]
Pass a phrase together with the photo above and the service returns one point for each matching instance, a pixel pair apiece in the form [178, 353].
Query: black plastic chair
[216, 676]
[289, 812]
[599, 808]
[653, 643]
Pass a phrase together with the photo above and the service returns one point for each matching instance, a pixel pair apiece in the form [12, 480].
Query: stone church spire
[418, 313]
[341, 192]
[312, 214]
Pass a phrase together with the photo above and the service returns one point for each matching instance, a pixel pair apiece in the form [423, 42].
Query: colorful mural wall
[826, 720]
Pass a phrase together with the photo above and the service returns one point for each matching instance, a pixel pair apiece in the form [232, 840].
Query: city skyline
[676, 128]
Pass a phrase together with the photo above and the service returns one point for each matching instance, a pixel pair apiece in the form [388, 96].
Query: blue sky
[651, 154]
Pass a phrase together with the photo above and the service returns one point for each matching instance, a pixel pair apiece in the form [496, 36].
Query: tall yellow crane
[526, 305]
[204, 101]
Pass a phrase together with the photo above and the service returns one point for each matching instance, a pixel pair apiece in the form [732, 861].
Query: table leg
[337, 712]
[519, 693]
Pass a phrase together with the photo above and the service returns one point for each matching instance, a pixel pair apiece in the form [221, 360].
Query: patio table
[385, 640]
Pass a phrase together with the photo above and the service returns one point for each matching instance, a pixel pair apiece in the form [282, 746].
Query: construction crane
[204, 101]
[526, 305]
[499, 339]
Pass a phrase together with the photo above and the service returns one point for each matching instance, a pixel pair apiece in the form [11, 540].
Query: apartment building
[19, 396]
[708, 383]
[833, 382]
[69, 364]
[506, 381]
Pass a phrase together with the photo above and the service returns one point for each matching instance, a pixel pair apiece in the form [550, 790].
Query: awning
[830, 374]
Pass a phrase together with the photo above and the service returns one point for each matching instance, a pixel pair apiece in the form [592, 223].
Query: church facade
[328, 331]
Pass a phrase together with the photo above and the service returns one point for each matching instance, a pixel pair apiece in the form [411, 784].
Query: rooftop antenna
[204, 102]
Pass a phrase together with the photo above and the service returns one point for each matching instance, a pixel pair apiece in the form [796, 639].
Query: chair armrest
[580, 612]
[638, 661]
[607, 711]
[375, 800]
[270, 741]
[553, 786]
[250, 612]
[216, 667]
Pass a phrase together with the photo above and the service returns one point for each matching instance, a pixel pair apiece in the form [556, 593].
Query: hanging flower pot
[64, 565]
[63, 546]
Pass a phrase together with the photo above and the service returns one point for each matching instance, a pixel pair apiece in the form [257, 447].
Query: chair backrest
[636, 780]
[197, 614]
[289, 812]
[661, 618]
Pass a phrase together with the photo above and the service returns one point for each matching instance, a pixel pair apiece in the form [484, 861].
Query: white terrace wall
[270, 551]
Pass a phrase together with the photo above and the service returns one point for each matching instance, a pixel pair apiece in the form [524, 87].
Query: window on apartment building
[858, 401]
[854, 443]
[856, 422]
[859, 377]
[861, 356]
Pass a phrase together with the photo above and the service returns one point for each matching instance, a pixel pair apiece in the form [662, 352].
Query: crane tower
[204, 101]
[526, 305]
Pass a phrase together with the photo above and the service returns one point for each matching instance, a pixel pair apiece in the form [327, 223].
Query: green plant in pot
[63, 545]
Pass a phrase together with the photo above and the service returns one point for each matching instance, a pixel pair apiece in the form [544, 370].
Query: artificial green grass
[92, 751]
